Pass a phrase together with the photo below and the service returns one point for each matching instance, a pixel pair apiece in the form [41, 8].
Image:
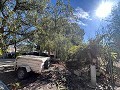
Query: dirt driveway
[45, 81]
[57, 79]
[33, 82]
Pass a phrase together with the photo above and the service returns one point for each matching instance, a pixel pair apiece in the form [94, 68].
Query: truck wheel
[22, 73]
[46, 64]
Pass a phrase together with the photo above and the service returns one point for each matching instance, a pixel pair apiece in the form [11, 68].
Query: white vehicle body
[31, 62]
[24, 64]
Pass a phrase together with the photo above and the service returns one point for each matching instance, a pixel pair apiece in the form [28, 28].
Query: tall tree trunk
[1, 39]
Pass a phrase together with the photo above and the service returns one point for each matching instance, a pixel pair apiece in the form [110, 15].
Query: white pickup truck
[27, 63]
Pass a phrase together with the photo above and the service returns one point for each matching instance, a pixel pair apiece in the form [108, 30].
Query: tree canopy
[40, 24]
[15, 19]
[113, 29]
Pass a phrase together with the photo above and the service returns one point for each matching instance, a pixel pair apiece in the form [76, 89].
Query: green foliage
[38, 23]
[55, 32]
[15, 19]
[113, 55]
[73, 50]
[1, 52]
[113, 29]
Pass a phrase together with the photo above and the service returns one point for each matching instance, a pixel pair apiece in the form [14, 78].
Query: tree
[113, 29]
[56, 32]
[15, 20]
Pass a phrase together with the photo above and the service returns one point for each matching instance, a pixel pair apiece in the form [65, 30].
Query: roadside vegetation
[39, 25]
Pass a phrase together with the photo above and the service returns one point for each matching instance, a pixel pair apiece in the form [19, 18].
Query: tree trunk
[1, 40]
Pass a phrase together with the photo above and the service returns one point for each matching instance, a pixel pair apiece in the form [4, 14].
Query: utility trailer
[24, 64]
[27, 63]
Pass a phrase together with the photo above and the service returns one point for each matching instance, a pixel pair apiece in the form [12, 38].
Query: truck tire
[46, 64]
[22, 73]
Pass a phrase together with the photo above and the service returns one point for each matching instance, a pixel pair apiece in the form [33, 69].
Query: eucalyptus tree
[113, 42]
[114, 29]
[55, 30]
[17, 19]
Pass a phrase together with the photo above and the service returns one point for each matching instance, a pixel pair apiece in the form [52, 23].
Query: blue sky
[85, 9]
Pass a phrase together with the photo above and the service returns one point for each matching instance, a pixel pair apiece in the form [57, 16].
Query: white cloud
[81, 23]
[80, 13]
[72, 20]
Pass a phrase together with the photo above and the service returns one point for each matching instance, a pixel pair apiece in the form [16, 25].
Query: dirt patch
[46, 81]
[56, 79]
[8, 77]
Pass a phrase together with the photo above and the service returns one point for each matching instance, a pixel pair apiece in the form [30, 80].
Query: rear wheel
[22, 73]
